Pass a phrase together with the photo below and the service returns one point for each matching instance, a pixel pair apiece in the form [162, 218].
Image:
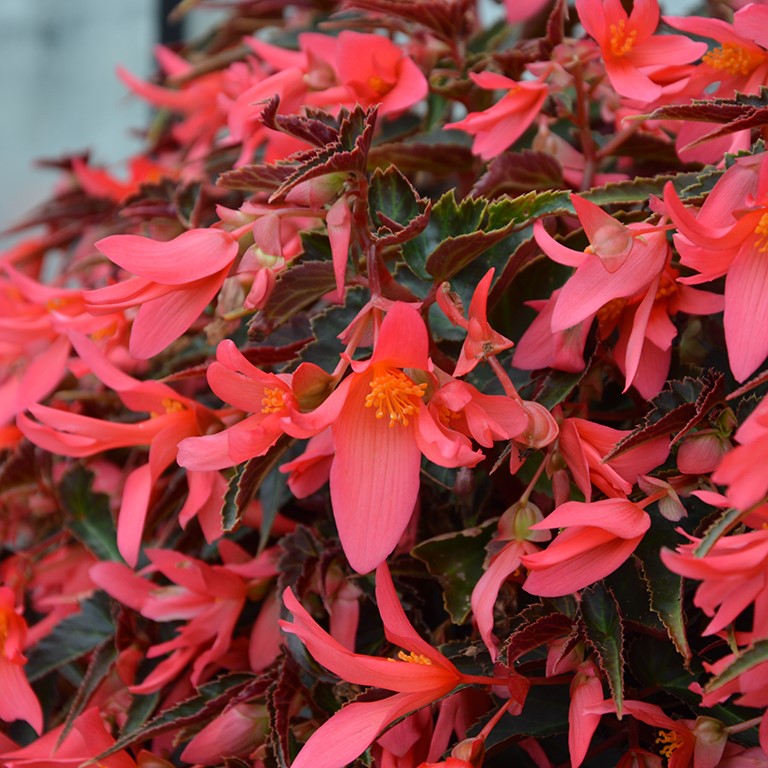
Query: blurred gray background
[59, 92]
[58, 88]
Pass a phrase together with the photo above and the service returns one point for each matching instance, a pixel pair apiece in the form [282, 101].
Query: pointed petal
[18, 701]
[374, 479]
[353, 729]
[746, 311]
[192, 255]
[161, 321]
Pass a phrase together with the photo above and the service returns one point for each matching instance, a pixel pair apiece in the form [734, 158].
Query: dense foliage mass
[402, 402]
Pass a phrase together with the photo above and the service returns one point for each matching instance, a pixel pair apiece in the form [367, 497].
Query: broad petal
[133, 513]
[192, 255]
[402, 338]
[617, 516]
[746, 312]
[374, 477]
[353, 729]
[575, 573]
[161, 321]
[18, 701]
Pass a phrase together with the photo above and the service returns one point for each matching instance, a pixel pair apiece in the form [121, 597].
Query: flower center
[272, 402]
[622, 40]
[761, 233]
[170, 405]
[414, 658]
[391, 394]
[378, 85]
[671, 741]
[608, 315]
[667, 287]
[446, 415]
[734, 59]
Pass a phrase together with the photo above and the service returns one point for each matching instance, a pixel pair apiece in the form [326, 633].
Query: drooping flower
[597, 538]
[729, 236]
[419, 676]
[501, 125]
[629, 47]
[175, 281]
[381, 427]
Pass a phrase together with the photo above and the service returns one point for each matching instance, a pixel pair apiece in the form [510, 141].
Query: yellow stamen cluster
[622, 40]
[446, 414]
[761, 231]
[171, 405]
[671, 740]
[733, 59]
[391, 393]
[378, 85]
[667, 288]
[272, 402]
[414, 658]
[609, 313]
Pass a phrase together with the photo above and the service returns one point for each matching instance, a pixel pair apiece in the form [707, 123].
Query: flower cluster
[405, 402]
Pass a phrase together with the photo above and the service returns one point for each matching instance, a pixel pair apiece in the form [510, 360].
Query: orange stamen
[761, 230]
[414, 658]
[734, 59]
[272, 402]
[391, 394]
[622, 40]
[671, 740]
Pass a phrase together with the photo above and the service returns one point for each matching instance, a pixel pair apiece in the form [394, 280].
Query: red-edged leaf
[297, 287]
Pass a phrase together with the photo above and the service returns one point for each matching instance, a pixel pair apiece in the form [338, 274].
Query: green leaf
[247, 480]
[90, 516]
[665, 589]
[456, 559]
[545, 713]
[728, 519]
[748, 659]
[604, 633]
[101, 663]
[296, 288]
[327, 325]
[72, 637]
[679, 407]
[211, 698]
[515, 173]
[397, 211]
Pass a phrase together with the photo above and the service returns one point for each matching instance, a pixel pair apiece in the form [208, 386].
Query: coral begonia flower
[597, 539]
[504, 123]
[18, 700]
[270, 398]
[683, 743]
[84, 742]
[620, 262]
[583, 445]
[729, 236]
[420, 675]
[743, 468]
[629, 46]
[172, 418]
[371, 70]
[482, 341]
[732, 576]
[208, 598]
[176, 280]
[381, 429]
